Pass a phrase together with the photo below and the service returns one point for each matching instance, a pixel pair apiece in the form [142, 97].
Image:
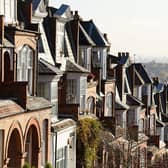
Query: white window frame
[61, 158]
[25, 66]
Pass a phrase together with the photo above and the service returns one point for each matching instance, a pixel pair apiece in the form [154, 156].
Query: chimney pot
[105, 36]
[127, 54]
[119, 54]
[123, 54]
[76, 13]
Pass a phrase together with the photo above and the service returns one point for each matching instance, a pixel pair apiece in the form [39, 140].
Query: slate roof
[37, 103]
[6, 43]
[94, 33]
[35, 4]
[46, 68]
[61, 10]
[58, 12]
[9, 107]
[131, 100]
[121, 106]
[84, 38]
[143, 73]
[123, 59]
[73, 67]
[158, 88]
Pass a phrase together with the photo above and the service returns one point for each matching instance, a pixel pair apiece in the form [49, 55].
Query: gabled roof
[158, 88]
[123, 59]
[46, 68]
[35, 4]
[133, 101]
[73, 67]
[39, 3]
[84, 38]
[143, 73]
[94, 33]
[60, 12]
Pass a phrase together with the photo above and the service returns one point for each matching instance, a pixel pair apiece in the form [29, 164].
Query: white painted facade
[64, 141]
[59, 43]
[160, 131]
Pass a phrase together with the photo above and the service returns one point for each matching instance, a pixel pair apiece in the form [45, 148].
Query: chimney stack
[76, 15]
[1, 28]
[105, 36]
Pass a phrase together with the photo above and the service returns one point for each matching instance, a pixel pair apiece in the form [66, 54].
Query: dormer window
[25, 66]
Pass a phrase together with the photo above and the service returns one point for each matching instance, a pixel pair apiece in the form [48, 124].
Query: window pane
[71, 91]
[25, 66]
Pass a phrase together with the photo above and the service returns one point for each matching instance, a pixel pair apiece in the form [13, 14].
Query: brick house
[24, 118]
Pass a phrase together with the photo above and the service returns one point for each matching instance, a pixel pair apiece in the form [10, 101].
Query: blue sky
[137, 26]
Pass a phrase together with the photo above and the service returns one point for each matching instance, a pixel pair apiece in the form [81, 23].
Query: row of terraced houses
[56, 69]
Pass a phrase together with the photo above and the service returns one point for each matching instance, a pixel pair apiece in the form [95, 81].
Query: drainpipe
[1, 41]
[2, 28]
